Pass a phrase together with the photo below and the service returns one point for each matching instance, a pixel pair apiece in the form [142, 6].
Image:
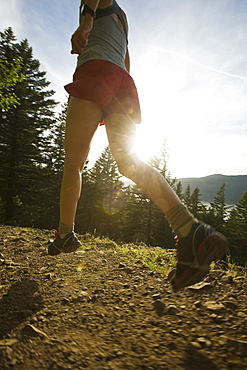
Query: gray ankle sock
[180, 220]
[65, 229]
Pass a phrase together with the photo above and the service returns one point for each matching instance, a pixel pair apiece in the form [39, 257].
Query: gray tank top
[106, 42]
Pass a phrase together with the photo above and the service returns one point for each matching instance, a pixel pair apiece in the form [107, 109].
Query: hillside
[210, 185]
[96, 309]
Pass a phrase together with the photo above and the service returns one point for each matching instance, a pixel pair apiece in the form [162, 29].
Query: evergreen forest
[31, 164]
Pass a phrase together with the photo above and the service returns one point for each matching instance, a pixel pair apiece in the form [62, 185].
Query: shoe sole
[72, 250]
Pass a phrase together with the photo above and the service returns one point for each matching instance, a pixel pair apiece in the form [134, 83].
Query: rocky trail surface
[93, 310]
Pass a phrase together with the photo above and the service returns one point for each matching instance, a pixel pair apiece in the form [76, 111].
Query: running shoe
[68, 244]
[195, 253]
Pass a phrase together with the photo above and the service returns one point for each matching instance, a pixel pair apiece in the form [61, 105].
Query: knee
[138, 171]
[126, 170]
[73, 165]
[130, 167]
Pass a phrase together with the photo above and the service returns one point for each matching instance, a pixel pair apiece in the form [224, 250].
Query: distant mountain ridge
[210, 185]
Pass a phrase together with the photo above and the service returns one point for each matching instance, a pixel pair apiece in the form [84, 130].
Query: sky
[188, 61]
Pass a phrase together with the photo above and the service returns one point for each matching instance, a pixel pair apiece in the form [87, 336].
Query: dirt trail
[92, 310]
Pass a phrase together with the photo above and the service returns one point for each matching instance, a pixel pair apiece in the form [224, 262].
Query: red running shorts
[108, 85]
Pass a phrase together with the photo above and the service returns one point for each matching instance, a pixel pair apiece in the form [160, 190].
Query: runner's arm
[127, 56]
[127, 60]
[79, 39]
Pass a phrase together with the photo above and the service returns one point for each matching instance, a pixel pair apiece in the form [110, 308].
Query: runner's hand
[79, 39]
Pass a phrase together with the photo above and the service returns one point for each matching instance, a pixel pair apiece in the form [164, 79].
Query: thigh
[83, 118]
[121, 132]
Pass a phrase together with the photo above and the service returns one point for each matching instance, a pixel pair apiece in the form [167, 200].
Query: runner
[103, 92]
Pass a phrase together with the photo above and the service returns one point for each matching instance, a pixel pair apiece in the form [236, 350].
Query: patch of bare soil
[92, 310]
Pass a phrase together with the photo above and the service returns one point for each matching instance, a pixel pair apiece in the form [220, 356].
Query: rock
[32, 331]
[156, 296]
[175, 332]
[33, 320]
[7, 342]
[204, 341]
[172, 310]
[127, 270]
[196, 345]
[79, 252]
[230, 304]
[228, 279]
[198, 304]
[159, 307]
[200, 286]
[38, 245]
[214, 306]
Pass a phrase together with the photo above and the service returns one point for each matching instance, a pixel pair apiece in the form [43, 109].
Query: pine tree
[193, 202]
[102, 197]
[197, 208]
[178, 189]
[186, 196]
[137, 225]
[236, 227]
[22, 137]
[52, 172]
[218, 210]
[241, 208]
[9, 76]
